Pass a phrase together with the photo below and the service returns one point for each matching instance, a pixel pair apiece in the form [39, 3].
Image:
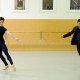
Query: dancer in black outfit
[76, 36]
[3, 47]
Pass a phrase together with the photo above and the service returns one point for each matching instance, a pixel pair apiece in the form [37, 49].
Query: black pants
[5, 50]
[78, 48]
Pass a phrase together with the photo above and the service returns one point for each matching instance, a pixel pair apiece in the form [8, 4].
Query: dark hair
[2, 18]
[78, 20]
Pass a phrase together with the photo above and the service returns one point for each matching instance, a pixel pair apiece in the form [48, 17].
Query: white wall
[34, 11]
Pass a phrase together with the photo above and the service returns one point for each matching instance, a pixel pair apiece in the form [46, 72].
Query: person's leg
[4, 60]
[78, 48]
[5, 50]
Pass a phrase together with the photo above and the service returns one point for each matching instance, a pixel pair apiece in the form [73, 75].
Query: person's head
[1, 21]
[78, 21]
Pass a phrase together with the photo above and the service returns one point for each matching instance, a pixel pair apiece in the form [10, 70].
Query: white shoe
[6, 67]
[14, 68]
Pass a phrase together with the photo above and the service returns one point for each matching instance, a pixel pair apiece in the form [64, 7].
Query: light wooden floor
[50, 65]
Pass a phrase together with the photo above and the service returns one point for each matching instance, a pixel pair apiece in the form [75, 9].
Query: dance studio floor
[50, 65]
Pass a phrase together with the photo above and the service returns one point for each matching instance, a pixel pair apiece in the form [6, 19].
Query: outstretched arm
[8, 33]
[68, 34]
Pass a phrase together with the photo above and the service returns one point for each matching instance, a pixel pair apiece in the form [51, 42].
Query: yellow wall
[30, 30]
[40, 25]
